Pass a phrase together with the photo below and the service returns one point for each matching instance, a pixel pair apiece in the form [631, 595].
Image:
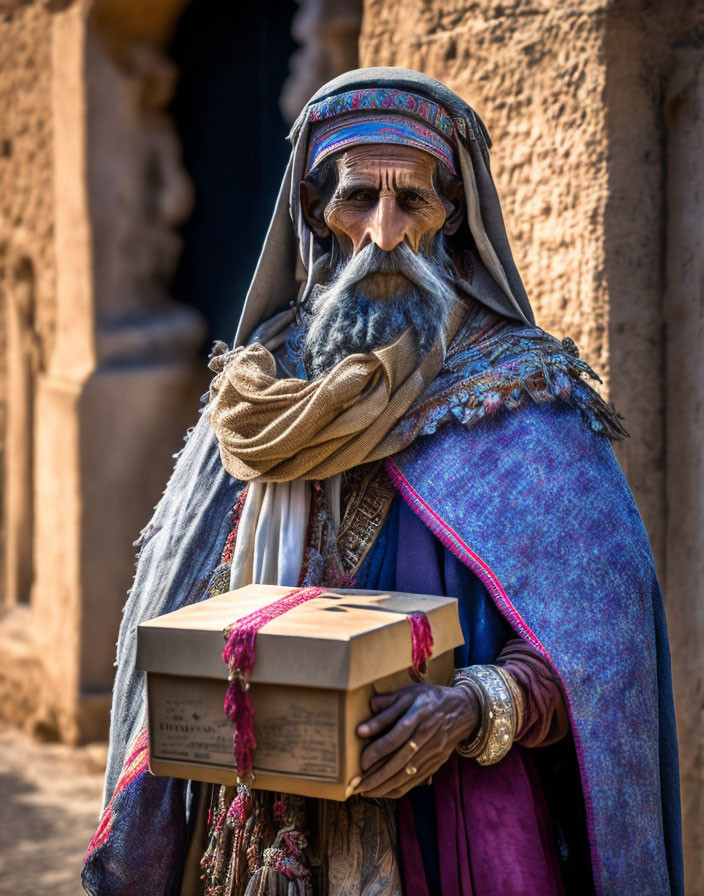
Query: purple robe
[474, 831]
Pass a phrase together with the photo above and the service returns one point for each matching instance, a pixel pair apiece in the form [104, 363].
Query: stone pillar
[684, 316]
[123, 378]
[27, 283]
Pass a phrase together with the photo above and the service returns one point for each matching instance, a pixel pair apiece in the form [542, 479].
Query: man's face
[388, 267]
[385, 196]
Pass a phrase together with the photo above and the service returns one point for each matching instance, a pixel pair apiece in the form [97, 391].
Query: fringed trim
[503, 367]
[220, 356]
[256, 843]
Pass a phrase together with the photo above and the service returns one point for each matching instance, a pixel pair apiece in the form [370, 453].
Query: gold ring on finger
[413, 745]
[411, 770]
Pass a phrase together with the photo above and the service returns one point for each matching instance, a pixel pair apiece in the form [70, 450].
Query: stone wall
[100, 373]
[573, 95]
[27, 264]
[27, 287]
[328, 33]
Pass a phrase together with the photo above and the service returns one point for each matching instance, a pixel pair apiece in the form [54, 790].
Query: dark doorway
[233, 60]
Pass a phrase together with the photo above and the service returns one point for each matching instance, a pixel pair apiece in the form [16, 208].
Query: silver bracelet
[499, 714]
[474, 746]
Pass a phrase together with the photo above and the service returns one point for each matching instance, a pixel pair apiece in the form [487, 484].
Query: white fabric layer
[271, 534]
[333, 488]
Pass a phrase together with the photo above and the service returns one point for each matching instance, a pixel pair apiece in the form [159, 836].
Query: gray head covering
[290, 249]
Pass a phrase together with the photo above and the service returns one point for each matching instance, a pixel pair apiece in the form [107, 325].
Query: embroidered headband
[380, 116]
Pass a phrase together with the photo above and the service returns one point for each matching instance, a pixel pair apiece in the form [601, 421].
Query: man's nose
[388, 225]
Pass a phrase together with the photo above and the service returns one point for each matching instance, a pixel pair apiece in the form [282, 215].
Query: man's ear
[313, 207]
[454, 208]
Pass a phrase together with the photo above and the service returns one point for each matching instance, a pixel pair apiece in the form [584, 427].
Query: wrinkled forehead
[385, 164]
[380, 116]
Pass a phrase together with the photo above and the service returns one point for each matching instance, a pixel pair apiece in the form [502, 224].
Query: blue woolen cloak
[535, 504]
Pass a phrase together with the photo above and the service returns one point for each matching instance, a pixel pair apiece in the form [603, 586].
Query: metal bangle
[518, 699]
[499, 715]
[472, 747]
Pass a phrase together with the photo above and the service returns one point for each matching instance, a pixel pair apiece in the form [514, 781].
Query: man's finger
[386, 718]
[394, 766]
[420, 778]
[389, 743]
[393, 739]
[382, 700]
[397, 745]
[402, 781]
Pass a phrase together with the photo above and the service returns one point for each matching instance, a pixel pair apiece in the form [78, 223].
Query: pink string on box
[239, 656]
[421, 644]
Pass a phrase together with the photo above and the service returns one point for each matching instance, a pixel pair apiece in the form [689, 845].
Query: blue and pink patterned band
[380, 116]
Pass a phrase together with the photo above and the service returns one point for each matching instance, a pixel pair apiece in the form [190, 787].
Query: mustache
[419, 268]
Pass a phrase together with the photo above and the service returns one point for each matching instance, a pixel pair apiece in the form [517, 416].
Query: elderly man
[391, 417]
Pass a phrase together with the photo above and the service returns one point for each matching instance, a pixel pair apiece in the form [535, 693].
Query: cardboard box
[316, 669]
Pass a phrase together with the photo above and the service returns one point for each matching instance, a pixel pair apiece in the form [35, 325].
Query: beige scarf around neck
[277, 430]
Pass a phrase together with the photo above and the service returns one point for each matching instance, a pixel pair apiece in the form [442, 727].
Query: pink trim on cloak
[451, 540]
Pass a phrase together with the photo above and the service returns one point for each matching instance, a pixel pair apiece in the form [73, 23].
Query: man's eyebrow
[349, 185]
[359, 181]
[421, 191]
[410, 187]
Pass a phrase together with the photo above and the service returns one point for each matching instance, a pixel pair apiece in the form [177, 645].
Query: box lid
[343, 639]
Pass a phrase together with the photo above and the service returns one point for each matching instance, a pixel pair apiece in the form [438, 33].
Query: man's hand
[434, 719]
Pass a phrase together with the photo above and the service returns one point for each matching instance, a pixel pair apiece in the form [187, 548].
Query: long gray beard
[344, 321]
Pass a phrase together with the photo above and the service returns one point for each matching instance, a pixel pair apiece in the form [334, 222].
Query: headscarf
[291, 250]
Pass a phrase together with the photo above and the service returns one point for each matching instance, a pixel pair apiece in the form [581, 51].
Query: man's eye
[412, 197]
[361, 196]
